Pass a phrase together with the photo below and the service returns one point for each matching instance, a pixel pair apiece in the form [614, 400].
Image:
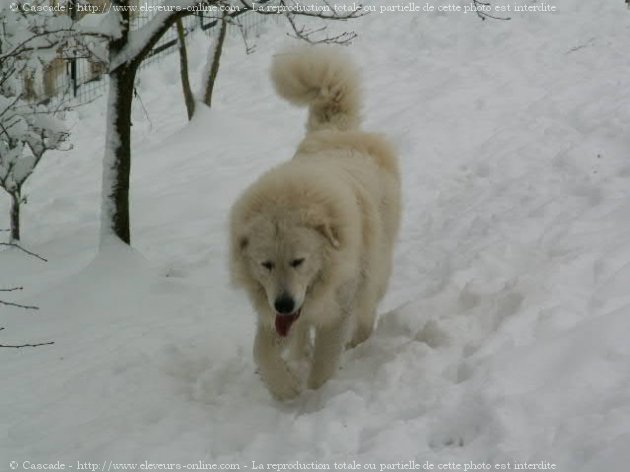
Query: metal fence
[83, 78]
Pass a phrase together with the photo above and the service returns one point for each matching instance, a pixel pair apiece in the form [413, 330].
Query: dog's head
[285, 257]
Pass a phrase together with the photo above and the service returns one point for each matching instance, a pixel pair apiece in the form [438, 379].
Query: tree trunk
[117, 160]
[16, 199]
[183, 67]
[215, 56]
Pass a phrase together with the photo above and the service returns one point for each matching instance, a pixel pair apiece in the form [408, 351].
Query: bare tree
[214, 58]
[127, 49]
[27, 129]
[17, 164]
[189, 98]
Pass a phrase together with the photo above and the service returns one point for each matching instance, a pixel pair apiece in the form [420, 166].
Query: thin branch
[17, 346]
[305, 34]
[146, 113]
[18, 305]
[61, 107]
[11, 105]
[332, 15]
[249, 48]
[482, 13]
[12, 289]
[23, 47]
[12, 70]
[24, 250]
[134, 51]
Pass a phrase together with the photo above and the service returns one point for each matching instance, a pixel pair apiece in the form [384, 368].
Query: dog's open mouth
[284, 322]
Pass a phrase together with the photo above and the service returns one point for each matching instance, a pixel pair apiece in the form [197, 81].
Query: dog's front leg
[329, 344]
[280, 381]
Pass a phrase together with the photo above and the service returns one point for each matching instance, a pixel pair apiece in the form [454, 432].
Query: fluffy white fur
[314, 236]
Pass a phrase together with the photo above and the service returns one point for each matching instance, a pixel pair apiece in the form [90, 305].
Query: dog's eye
[267, 265]
[297, 262]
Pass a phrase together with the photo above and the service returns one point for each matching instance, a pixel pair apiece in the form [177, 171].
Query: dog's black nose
[284, 304]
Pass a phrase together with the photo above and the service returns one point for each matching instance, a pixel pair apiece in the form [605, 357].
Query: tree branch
[142, 40]
[18, 305]
[286, 9]
[301, 32]
[482, 13]
[24, 250]
[17, 346]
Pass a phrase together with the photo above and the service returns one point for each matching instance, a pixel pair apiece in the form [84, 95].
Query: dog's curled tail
[324, 79]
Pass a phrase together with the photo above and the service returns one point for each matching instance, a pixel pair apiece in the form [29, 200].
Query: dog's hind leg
[329, 344]
[280, 381]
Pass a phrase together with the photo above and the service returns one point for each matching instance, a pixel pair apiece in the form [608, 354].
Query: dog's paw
[283, 387]
[317, 379]
[285, 391]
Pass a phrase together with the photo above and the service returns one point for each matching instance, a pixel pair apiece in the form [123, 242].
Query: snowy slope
[503, 338]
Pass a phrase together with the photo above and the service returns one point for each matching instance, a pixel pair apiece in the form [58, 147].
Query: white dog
[312, 239]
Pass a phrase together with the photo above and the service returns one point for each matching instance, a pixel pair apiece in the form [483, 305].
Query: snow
[100, 25]
[503, 338]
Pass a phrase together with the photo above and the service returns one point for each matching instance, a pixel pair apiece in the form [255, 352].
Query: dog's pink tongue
[284, 322]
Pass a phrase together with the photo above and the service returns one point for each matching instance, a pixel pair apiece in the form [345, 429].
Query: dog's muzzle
[286, 314]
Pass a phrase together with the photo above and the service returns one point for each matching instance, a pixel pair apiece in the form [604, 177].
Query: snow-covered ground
[505, 335]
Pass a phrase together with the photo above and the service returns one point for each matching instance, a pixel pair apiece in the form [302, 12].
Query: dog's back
[326, 80]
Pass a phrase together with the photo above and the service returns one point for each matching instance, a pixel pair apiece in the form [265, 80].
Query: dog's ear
[321, 220]
[330, 233]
